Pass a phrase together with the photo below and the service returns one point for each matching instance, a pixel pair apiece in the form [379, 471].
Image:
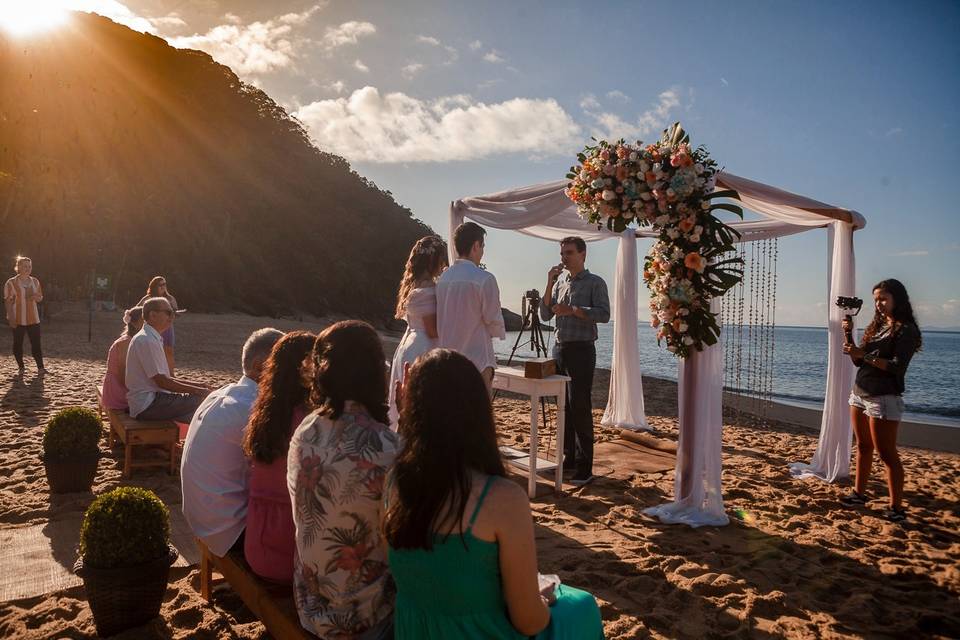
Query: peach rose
[695, 261]
[686, 225]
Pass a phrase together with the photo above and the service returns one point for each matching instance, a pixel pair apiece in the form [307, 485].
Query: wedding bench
[272, 604]
[136, 433]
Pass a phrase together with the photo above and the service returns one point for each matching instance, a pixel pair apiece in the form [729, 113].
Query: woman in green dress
[460, 535]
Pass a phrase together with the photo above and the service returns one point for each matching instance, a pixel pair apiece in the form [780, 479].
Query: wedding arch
[545, 211]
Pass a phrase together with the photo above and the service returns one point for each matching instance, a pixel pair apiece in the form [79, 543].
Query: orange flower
[686, 225]
[695, 261]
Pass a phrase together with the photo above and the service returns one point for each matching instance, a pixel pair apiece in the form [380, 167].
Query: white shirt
[468, 312]
[214, 473]
[145, 359]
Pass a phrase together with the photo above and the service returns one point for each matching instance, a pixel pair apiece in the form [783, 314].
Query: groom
[468, 303]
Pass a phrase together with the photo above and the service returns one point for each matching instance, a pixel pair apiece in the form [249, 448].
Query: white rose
[684, 311]
[698, 168]
[683, 327]
[644, 166]
[694, 237]
[661, 220]
[633, 156]
[687, 340]
[673, 234]
[584, 175]
[609, 195]
[656, 167]
[596, 184]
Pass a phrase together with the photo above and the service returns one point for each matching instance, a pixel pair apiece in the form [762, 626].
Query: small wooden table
[512, 380]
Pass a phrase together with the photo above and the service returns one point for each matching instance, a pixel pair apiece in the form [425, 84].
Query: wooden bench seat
[272, 604]
[135, 433]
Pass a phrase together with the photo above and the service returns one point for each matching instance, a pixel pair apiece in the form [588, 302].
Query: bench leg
[206, 573]
[127, 457]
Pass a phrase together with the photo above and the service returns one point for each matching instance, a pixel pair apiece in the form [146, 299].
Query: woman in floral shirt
[336, 465]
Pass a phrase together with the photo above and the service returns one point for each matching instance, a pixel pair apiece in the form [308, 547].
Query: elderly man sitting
[152, 393]
[214, 470]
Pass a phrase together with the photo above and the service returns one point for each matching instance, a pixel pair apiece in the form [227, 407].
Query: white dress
[415, 342]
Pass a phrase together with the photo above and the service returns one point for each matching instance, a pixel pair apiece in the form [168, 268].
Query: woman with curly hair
[417, 304]
[460, 534]
[269, 541]
[876, 403]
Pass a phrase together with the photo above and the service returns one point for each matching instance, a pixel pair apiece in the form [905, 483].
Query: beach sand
[792, 562]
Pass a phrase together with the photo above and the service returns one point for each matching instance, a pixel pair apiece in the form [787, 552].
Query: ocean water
[800, 367]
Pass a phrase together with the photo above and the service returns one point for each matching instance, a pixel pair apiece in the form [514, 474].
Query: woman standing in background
[158, 289]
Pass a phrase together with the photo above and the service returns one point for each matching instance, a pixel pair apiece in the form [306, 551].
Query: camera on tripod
[849, 303]
[531, 298]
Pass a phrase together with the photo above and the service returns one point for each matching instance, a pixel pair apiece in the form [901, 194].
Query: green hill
[121, 153]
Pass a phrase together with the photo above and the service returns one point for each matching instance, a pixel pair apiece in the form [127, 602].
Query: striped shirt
[15, 297]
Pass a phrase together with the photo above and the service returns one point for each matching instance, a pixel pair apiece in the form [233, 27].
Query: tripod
[531, 321]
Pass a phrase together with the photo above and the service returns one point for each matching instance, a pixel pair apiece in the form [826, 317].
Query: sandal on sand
[853, 499]
[894, 515]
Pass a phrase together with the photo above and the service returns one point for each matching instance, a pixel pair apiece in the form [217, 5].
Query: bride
[417, 304]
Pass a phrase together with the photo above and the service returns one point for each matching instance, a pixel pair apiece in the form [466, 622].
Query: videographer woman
[876, 403]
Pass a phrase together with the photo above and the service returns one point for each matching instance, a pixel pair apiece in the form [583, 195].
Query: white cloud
[589, 102]
[116, 11]
[411, 70]
[476, 45]
[493, 56]
[253, 49]
[359, 66]
[169, 21]
[347, 33]
[610, 125]
[395, 127]
[938, 314]
[232, 18]
[452, 54]
[337, 86]
[907, 254]
[894, 131]
[724, 82]
[616, 94]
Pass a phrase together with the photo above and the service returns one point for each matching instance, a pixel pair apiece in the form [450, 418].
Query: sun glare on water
[25, 17]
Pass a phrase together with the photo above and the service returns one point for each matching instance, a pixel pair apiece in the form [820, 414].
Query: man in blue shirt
[579, 301]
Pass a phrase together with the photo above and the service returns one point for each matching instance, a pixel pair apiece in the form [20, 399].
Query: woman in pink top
[270, 538]
[114, 383]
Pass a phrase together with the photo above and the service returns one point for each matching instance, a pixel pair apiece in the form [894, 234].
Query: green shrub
[123, 528]
[72, 432]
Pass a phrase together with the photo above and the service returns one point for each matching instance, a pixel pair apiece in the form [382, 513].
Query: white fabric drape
[625, 402]
[831, 461]
[698, 499]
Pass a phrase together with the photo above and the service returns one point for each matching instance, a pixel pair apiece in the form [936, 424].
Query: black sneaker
[853, 499]
[582, 479]
[894, 515]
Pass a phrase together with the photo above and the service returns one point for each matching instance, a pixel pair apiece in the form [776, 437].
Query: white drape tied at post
[625, 403]
[831, 461]
[698, 499]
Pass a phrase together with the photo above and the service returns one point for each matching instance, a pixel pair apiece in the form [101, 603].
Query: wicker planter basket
[125, 597]
[71, 475]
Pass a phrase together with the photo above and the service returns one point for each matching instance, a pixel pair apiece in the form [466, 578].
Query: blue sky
[852, 103]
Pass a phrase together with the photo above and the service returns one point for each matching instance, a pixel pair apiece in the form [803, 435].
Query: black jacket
[897, 348]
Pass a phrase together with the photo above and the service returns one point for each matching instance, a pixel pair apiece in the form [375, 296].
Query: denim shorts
[888, 407]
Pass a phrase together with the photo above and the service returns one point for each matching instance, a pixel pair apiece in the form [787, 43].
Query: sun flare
[24, 17]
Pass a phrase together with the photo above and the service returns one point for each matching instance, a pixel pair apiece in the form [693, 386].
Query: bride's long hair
[427, 258]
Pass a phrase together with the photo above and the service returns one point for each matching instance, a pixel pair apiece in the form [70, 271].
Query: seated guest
[152, 393]
[338, 458]
[213, 469]
[460, 535]
[270, 538]
[114, 380]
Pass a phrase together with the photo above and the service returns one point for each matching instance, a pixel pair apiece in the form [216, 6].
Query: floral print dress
[335, 475]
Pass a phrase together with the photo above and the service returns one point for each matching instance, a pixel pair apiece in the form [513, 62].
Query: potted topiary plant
[125, 558]
[71, 449]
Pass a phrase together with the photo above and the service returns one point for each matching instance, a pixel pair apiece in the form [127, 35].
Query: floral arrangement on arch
[669, 186]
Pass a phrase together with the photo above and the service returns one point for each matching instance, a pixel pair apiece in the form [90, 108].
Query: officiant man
[579, 301]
